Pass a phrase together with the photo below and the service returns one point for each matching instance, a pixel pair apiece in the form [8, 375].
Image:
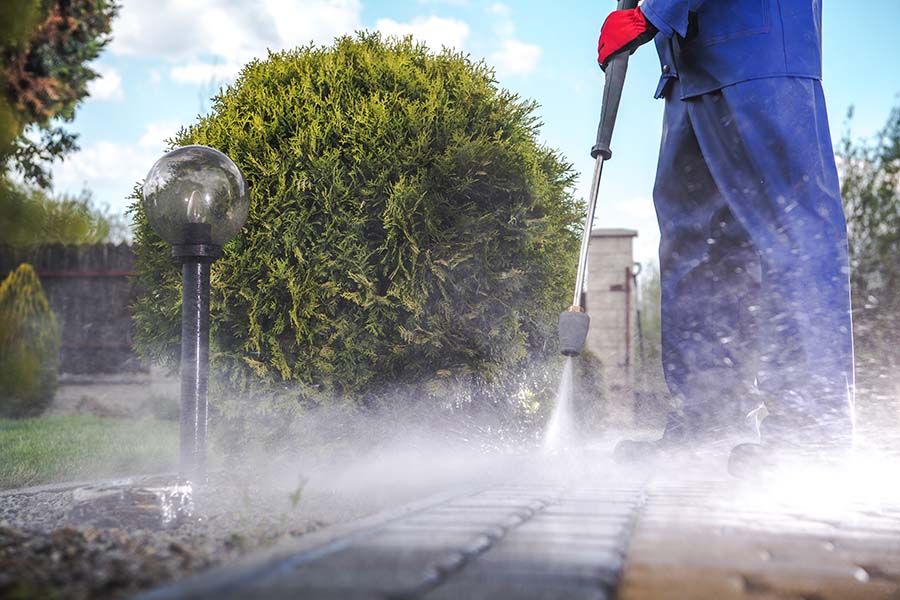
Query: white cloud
[156, 135]
[318, 21]
[206, 40]
[200, 72]
[500, 9]
[503, 25]
[516, 58]
[435, 32]
[110, 169]
[107, 86]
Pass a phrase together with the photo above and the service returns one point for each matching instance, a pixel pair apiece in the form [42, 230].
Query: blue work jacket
[709, 44]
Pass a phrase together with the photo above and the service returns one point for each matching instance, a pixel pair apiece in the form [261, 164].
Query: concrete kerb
[295, 552]
[66, 486]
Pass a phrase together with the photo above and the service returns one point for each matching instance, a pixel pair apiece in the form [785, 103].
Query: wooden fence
[90, 291]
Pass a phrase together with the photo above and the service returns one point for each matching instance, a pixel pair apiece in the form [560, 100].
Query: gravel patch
[55, 543]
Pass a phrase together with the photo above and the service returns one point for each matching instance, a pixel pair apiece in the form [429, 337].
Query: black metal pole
[196, 256]
[194, 368]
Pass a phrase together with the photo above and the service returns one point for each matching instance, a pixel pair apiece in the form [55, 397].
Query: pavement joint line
[445, 573]
[641, 496]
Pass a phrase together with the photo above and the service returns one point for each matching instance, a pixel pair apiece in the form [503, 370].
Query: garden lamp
[196, 199]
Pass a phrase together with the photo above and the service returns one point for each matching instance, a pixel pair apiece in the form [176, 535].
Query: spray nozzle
[573, 330]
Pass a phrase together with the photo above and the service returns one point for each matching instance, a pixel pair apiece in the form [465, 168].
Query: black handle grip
[612, 93]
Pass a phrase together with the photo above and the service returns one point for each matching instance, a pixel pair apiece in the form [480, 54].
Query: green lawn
[54, 449]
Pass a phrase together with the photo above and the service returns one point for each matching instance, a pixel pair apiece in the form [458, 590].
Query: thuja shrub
[407, 230]
[29, 346]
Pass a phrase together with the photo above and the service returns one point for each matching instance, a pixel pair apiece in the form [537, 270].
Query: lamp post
[196, 199]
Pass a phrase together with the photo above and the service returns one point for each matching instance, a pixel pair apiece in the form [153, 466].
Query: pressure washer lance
[574, 323]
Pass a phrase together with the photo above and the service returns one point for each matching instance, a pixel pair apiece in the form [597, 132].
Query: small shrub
[29, 346]
[408, 234]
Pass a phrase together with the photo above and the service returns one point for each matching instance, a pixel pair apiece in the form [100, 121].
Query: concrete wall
[610, 301]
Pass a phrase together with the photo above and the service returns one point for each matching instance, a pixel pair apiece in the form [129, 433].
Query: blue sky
[168, 57]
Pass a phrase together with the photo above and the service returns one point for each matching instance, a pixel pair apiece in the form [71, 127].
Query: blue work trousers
[753, 257]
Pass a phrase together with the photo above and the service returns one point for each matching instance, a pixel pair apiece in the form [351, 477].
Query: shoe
[696, 433]
[637, 452]
[786, 443]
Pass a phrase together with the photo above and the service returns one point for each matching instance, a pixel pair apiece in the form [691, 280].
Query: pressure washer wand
[574, 323]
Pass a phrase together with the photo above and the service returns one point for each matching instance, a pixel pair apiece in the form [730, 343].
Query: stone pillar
[609, 299]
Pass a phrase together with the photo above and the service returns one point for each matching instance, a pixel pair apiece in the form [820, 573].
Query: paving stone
[480, 501]
[518, 589]
[293, 592]
[552, 559]
[594, 510]
[461, 520]
[517, 539]
[702, 582]
[575, 521]
[362, 569]
[551, 529]
[481, 510]
[390, 542]
[547, 561]
[413, 532]
[571, 576]
[712, 543]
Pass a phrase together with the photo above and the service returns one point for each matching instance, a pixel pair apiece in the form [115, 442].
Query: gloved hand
[623, 31]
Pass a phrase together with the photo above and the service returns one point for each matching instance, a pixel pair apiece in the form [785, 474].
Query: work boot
[694, 432]
[635, 452]
[788, 442]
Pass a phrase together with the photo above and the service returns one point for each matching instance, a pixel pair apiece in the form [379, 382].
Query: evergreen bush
[407, 229]
[29, 346]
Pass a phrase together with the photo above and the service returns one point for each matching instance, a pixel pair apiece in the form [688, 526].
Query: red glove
[623, 31]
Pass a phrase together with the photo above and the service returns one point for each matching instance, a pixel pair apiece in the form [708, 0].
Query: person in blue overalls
[753, 250]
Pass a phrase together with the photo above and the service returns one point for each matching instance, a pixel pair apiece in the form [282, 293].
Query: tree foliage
[29, 345]
[31, 216]
[45, 49]
[406, 226]
[870, 185]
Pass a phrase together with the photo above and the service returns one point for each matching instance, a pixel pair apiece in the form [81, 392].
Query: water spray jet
[575, 322]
